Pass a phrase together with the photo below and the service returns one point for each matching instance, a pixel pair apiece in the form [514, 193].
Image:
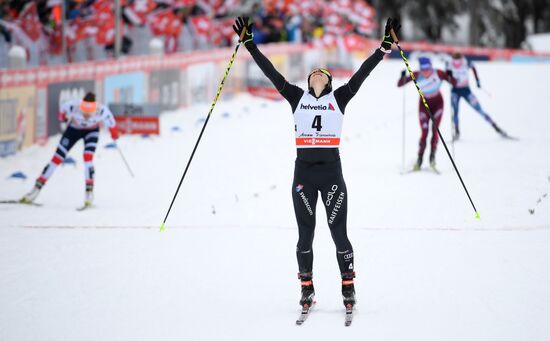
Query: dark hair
[89, 97]
[329, 75]
[457, 55]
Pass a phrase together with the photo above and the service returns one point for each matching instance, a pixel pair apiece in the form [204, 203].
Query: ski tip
[477, 215]
[161, 227]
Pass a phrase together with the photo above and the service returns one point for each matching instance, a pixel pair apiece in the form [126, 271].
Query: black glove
[403, 73]
[450, 74]
[387, 40]
[243, 23]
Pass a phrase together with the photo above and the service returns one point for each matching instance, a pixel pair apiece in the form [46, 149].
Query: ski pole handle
[394, 36]
[241, 37]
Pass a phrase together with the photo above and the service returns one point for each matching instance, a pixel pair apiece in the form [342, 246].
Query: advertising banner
[185, 94]
[200, 83]
[20, 102]
[59, 93]
[296, 71]
[164, 88]
[125, 88]
[233, 82]
[137, 119]
[41, 119]
[8, 126]
[122, 109]
[138, 125]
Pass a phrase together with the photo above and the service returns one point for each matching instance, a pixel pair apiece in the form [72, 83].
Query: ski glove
[114, 133]
[403, 73]
[62, 116]
[387, 40]
[243, 23]
[63, 120]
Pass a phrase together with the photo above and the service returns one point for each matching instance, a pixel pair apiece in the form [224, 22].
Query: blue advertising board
[125, 88]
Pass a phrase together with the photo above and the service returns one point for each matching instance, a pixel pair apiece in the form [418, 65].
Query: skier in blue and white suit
[459, 67]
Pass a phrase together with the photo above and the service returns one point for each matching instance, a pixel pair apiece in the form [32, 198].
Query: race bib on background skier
[460, 69]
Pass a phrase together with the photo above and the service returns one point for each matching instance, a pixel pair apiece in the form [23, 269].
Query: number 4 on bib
[317, 123]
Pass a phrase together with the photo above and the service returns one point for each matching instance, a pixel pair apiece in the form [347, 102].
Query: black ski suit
[319, 169]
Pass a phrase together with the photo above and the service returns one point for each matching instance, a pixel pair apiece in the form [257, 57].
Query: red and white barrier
[30, 98]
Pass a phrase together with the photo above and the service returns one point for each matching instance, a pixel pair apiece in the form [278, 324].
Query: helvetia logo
[313, 107]
[317, 107]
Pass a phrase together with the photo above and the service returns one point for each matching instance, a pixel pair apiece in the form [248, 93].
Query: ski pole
[403, 133]
[486, 92]
[123, 158]
[203, 127]
[394, 37]
[452, 126]
[452, 138]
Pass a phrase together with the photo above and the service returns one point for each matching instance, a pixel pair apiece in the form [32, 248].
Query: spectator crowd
[88, 26]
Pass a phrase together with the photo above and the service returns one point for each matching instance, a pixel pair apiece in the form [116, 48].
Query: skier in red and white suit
[83, 119]
[429, 80]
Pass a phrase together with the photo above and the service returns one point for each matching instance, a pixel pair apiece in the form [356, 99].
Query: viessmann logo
[316, 107]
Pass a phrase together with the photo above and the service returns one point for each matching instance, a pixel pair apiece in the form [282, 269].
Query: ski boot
[31, 196]
[89, 196]
[348, 289]
[500, 131]
[456, 133]
[308, 293]
[432, 160]
[418, 163]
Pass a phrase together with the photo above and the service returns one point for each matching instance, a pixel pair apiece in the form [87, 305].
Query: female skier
[429, 81]
[459, 67]
[318, 115]
[83, 119]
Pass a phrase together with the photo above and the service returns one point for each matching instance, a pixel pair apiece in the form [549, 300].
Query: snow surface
[225, 267]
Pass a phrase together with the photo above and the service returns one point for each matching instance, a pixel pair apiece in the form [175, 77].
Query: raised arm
[290, 92]
[346, 92]
[364, 71]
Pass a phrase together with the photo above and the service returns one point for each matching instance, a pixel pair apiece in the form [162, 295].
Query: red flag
[137, 12]
[164, 23]
[202, 25]
[104, 20]
[29, 22]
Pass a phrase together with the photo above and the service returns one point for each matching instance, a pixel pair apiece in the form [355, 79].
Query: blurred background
[61, 31]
